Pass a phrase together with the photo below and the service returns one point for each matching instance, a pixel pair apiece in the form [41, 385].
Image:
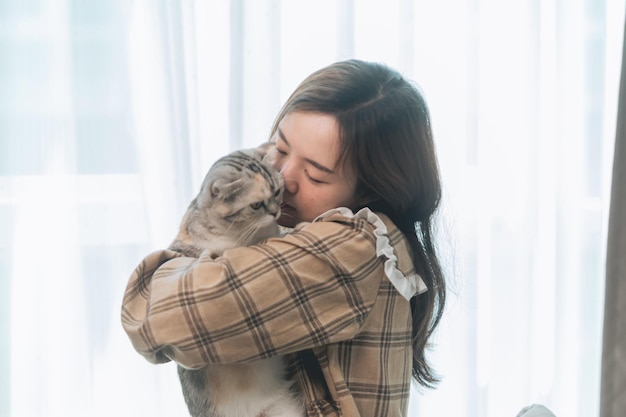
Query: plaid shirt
[319, 295]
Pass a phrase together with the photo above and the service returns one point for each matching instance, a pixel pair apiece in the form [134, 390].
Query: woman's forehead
[316, 137]
[312, 135]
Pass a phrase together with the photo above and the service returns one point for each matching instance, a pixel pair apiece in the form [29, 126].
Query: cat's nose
[274, 210]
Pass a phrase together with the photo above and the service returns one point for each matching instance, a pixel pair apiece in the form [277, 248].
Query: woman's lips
[286, 207]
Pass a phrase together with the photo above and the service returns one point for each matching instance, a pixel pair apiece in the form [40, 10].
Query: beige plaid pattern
[318, 295]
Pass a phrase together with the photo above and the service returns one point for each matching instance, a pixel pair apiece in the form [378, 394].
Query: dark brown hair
[386, 136]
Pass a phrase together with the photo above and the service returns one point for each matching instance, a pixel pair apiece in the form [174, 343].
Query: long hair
[385, 134]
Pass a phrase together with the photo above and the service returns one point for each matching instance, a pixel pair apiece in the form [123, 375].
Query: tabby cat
[238, 205]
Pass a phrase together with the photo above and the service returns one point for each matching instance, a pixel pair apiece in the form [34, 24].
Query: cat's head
[243, 192]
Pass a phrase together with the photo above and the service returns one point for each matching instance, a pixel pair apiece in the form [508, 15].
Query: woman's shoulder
[361, 225]
[373, 222]
[387, 240]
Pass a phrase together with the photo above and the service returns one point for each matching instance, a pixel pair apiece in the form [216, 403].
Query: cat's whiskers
[246, 234]
[251, 230]
[227, 231]
[288, 215]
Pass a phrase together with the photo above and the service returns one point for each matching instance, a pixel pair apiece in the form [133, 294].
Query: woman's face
[308, 148]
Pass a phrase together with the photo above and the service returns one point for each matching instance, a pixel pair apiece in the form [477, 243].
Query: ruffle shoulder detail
[407, 285]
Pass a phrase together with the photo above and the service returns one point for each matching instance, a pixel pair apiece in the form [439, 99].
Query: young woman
[353, 294]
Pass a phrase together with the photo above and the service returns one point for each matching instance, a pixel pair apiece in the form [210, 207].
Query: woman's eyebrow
[310, 161]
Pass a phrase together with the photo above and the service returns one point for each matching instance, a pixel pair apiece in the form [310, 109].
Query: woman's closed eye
[313, 180]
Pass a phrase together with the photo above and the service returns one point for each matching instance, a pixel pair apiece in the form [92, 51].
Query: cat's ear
[267, 152]
[225, 189]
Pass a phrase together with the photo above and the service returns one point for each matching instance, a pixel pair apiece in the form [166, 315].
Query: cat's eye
[257, 205]
[277, 193]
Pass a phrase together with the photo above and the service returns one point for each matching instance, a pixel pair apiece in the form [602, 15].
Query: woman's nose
[289, 177]
[291, 185]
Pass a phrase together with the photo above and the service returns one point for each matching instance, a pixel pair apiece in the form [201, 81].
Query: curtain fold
[613, 384]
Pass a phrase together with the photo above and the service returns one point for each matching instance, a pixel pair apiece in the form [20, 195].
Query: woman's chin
[288, 216]
[286, 220]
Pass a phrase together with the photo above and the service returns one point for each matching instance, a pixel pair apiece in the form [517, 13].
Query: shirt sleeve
[312, 287]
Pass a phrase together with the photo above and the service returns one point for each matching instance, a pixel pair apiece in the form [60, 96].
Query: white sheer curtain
[110, 113]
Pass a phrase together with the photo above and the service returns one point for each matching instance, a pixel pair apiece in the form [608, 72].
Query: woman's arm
[309, 288]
